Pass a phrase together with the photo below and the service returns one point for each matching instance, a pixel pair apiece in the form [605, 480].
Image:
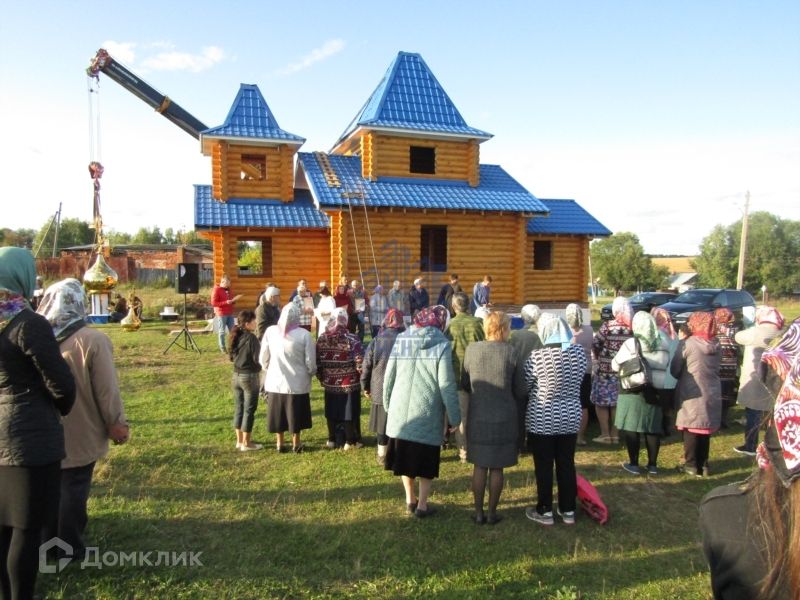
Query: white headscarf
[63, 305]
[289, 319]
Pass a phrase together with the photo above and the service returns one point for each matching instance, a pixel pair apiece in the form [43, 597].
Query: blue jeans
[752, 421]
[223, 326]
[245, 400]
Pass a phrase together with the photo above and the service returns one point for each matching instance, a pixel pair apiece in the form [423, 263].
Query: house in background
[402, 194]
[681, 269]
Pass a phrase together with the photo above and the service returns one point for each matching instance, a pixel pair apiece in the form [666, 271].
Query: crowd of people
[429, 372]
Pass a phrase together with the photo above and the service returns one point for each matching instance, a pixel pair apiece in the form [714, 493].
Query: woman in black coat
[36, 387]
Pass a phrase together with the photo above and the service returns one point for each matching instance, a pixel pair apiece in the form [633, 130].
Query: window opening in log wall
[542, 256]
[433, 248]
[255, 257]
[422, 159]
[254, 167]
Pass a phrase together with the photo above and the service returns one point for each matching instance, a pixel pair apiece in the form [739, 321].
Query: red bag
[590, 501]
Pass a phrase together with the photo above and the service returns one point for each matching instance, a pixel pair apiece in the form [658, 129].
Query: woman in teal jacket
[418, 388]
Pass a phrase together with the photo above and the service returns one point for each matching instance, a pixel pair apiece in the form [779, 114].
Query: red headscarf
[433, 316]
[702, 325]
[394, 319]
[769, 314]
[664, 321]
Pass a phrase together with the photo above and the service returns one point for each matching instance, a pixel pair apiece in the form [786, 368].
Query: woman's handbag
[634, 373]
[590, 501]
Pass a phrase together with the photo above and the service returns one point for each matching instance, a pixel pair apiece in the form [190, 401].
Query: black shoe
[411, 508]
[744, 450]
[494, 519]
[299, 448]
[421, 514]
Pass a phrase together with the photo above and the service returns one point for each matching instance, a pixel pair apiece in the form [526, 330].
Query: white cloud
[327, 50]
[184, 61]
[124, 52]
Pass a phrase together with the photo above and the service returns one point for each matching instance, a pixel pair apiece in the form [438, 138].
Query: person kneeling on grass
[244, 350]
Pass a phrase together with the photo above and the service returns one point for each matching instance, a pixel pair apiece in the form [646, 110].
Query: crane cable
[369, 233]
[95, 154]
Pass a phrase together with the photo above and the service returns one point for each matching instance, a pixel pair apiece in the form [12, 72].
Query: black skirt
[412, 459]
[288, 412]
[586, 391]
[29, 496]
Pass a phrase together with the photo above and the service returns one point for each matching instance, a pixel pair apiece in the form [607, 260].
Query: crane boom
[142, 90]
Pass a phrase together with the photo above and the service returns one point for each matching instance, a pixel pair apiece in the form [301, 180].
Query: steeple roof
[409, 98]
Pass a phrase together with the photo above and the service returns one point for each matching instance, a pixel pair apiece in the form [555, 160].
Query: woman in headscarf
[583, 336]
[375, 360]
[530, 316]
[669, 338]
[553, 375]
[289, 357]
[244, 349]
[605, 385]
[36, 389]
[635, 417]
[324, 310]
[98, 414]
[378, 304]
[339, 359]
[494, 389]
[525, 341]
[729, 360]
[751, 531]
[418, 388]
[753, 395]
[698, 395]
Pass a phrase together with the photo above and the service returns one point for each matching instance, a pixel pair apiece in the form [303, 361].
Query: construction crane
[103, 62]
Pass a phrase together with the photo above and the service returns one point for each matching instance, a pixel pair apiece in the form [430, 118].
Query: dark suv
[706, 300]
[642, 301]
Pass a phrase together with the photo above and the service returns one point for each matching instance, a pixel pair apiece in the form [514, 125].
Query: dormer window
[254, 167]
[422, 159]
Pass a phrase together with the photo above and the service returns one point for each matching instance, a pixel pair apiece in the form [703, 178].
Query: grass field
[332, 524]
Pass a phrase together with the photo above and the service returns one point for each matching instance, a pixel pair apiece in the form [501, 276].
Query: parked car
[706, 300]
[641, 301]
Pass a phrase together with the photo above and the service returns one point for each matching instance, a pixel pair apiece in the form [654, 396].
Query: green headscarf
[645, 328]
[574, 317]
[17, 271]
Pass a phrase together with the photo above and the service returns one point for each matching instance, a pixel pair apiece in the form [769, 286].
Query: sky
[656, 117]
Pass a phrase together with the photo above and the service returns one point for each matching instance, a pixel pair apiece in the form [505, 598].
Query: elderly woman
[268, 311]
[605, 385]
[378, 305]
[525, 341]
[373, 372]
[553, 375]
[418, 389]
[36, 389]
[583, 335]
[339, 359]
[289, 358]
[698, 395]
[729, 360]
[669, 337]
[494, 389]
[753, 395]
[635, 417]
[98, 414]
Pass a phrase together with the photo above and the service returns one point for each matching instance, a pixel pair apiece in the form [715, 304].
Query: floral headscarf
[64, 307]
[394, 319]
[781, 356]
[433, 316]
[622, 311]
[555, 330]
[664, 321]
[702, 325]
[723, 316]
[769, 314]
[17, 282]
[289, 319]
[646, 330]
[574, 316]
[530, 314]
[337, 323]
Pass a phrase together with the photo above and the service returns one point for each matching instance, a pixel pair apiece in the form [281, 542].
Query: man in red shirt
[223, 302]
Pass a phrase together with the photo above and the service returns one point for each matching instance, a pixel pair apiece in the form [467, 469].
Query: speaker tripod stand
[184, 334]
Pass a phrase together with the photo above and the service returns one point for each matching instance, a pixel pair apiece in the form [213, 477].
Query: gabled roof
[410, 98]
[244, 212]
[566, 217]
[335, 179]
[251, 119]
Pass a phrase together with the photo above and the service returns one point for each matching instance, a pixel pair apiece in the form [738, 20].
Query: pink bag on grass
[590, 501]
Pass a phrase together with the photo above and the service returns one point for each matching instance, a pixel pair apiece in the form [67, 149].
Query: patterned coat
[462, 331]
[339, 358]
[553, 376]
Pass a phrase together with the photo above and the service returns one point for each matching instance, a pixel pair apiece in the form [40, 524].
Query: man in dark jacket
[418, 297]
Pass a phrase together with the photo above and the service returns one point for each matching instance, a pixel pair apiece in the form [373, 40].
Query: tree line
[772, 258]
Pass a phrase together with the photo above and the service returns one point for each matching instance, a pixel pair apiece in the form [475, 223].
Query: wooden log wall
[476, 244]
[388, 156]
[567, 280]
[296, 254]
[226, 169]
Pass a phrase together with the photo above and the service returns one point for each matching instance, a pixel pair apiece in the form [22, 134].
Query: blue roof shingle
[245, 212]
[409, 97]
[250, 117]
[497, 190]
[566, 217]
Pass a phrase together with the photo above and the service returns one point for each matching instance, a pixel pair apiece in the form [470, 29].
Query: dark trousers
[752, 424]
[352, 431]
[72, 515]
[547, 451]
[19, 562]
[633, 444]
[696, 447]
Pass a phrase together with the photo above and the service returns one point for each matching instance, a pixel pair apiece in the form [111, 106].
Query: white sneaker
[567, 516]
[238, 446]
[351, 446]
[245, 448]
[533, 515]
[330, 445]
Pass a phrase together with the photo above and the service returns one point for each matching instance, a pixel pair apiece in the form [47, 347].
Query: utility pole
[58, 226]
[743, 244]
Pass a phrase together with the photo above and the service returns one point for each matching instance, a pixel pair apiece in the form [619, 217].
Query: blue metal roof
[245, 212]
[250, 117]
[409, 97]
[342, 181]
[566, 217]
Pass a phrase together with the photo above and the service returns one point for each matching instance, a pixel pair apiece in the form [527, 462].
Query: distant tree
[621, 264]
[717, 262]
[116, 238]
[190, 237]
[22, 238]
[71, 232]
[147, 236]
[169, 236]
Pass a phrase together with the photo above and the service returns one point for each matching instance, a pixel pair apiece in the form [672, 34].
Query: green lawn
[331, 524]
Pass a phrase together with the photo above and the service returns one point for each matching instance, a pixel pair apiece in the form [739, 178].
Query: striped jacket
[553, 377]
